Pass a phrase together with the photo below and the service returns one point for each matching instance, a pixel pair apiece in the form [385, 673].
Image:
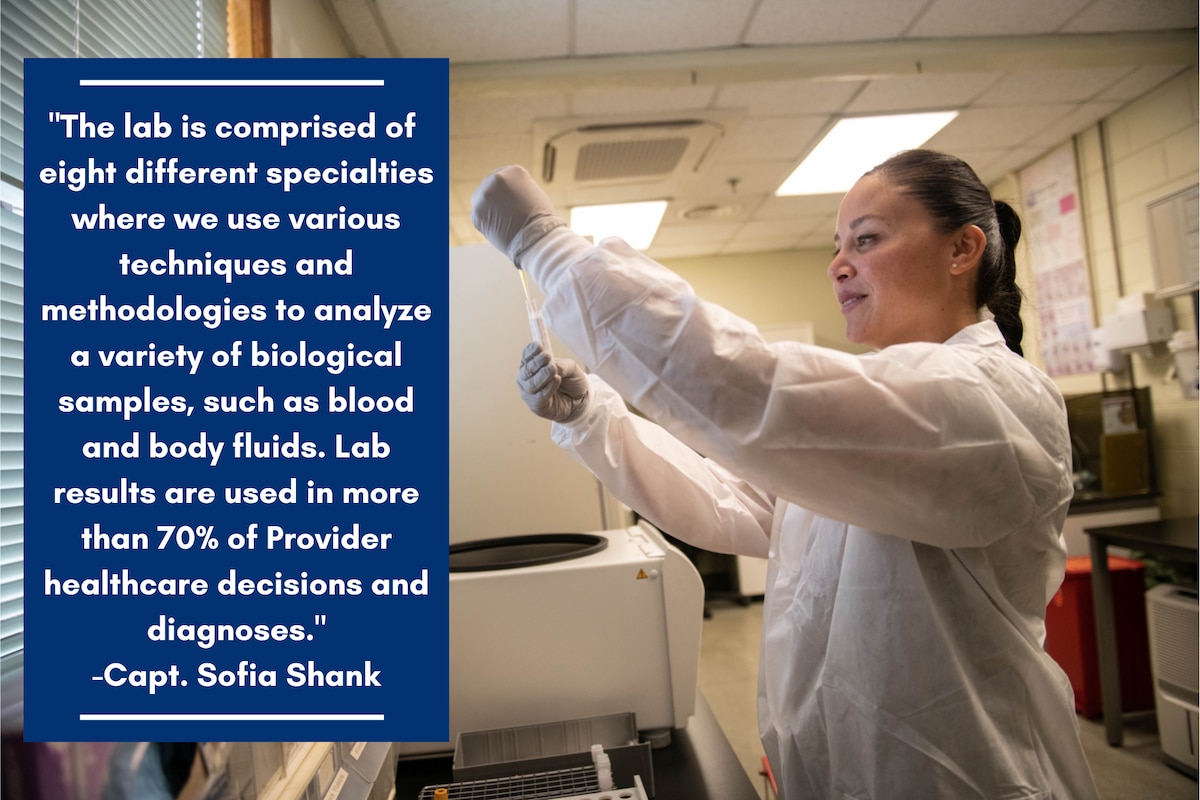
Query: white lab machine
[607, 630]
[567, 626]
[1174, 621]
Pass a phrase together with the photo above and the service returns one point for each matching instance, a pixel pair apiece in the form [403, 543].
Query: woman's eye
[864, 240]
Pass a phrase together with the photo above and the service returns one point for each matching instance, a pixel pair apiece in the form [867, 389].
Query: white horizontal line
[228, 82]
[230, 717]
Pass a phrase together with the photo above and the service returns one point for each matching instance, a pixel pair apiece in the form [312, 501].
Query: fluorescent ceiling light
[636, 223]
[858, 144]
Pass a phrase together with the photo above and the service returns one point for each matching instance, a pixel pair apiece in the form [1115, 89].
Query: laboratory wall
[772, 289]
[1146, 150]
[304, 29]
[507, 478]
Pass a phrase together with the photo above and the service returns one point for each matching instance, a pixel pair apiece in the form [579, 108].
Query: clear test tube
[537, 326]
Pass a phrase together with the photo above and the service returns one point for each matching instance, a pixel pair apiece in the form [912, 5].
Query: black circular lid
[511, 552]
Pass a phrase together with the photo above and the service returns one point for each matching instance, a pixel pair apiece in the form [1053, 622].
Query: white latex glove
[554, 388]
[512, 211]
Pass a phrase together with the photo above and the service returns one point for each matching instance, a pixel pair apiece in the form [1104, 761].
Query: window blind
[57, 29]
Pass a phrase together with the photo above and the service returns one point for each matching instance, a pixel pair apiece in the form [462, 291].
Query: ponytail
[997, 283]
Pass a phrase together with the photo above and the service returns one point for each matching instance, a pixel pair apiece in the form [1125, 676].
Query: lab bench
[1098, 510]
[699, 764]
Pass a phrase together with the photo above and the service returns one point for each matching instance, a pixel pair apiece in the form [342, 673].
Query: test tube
[537, 326]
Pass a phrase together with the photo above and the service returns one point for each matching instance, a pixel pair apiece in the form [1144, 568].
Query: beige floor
[729, 672]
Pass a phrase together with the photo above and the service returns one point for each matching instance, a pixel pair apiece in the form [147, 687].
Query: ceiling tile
[1013, 160]
[798, 207]
[739, 245]
[818, 231]
[1140, 81]
[596, 102]
[820, 236]
[463, 32]
[638, 26]
[980, 159]
[1080, 119]
[921, 92]
[664, 252]
[767, 138]
[706, 232]
[959, 18]
[994, 127]
[784, 98]
[1143, 15]
[777, 229]
[751, 177]
[473, 157]
[1008, 121]
[486, 116]
[1052, 86]
[581, 194]
[792, 22]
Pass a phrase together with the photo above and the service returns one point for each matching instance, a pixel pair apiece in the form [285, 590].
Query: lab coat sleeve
[918, 441]
[664, 480]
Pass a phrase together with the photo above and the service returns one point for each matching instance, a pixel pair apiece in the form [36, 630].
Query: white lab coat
[910, 502]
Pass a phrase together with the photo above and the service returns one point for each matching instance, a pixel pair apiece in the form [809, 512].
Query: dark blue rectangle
[236, 346]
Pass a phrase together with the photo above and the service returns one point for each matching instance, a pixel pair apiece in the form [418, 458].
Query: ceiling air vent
[629, 152]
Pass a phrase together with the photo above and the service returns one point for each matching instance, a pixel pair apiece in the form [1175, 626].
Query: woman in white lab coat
[910, 500]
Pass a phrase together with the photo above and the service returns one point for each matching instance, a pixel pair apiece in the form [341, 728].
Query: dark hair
[954, 196]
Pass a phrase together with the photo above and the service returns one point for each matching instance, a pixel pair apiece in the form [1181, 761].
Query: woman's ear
[968, 248]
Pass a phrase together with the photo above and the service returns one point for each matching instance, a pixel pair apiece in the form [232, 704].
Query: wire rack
[578, 783]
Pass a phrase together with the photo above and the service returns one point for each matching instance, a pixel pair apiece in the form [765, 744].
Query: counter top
[1173, 538]
[699, 764]
[1085, 502]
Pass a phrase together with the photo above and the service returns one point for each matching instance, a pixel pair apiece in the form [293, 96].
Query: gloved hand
[554, 388]
[512, 211]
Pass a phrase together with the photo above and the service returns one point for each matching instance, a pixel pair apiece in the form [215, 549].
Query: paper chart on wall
[1054, 231]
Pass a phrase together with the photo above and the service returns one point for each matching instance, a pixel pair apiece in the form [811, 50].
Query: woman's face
[892, 269]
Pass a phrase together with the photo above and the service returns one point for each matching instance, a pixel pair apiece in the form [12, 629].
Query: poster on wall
[1054, 230]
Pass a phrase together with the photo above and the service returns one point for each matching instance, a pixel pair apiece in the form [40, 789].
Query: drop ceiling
[774, 75]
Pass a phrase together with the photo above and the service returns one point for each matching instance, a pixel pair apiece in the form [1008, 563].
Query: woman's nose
[839, 269]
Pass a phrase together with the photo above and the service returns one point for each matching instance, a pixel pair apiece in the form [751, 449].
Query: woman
[910, 500]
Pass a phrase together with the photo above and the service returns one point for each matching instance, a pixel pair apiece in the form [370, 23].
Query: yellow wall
[772, 289]
[304, 29]
[1152, 151]
[1152, 147]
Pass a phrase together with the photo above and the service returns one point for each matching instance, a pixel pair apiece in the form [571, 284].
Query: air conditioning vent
[606, 161]
[576, 154]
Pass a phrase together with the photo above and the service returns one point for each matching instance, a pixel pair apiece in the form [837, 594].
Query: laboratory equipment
[610, 744]
[537, 326]
[1139, 321]
[604, 775]
[1173, 619]
[569, 626]
[568, 784]
[1183, 345]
